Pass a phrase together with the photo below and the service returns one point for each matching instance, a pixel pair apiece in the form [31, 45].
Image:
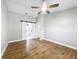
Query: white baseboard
[4, 50]
[50, 41]
[19, 40]
[60, 43]
[15, 40]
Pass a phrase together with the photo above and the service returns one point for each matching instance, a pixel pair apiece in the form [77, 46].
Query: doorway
[28, 30]
[28, 33]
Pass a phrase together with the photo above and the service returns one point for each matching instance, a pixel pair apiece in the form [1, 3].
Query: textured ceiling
[24, 6]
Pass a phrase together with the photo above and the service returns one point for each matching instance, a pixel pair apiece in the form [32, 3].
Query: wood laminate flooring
[38, 49]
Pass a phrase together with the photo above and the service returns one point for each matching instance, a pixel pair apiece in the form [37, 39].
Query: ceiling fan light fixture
[44, 7]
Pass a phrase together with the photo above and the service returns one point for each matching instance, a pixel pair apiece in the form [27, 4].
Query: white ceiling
[24, 6]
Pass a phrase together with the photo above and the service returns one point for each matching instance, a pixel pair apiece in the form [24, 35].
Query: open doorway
[28, 33]
[28, 30]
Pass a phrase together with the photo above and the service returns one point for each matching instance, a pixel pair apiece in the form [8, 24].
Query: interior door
[28, 30]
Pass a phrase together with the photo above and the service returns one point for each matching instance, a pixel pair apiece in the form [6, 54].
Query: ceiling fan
[44, 8]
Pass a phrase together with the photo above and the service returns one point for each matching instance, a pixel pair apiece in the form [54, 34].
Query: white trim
[19, 40]
[15, 40]
[4, 50]
[50, 41]
[60, 43]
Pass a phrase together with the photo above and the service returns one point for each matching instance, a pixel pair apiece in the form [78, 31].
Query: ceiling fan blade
[48, 12]
[39, 13]
[34, 7]
[53, 5]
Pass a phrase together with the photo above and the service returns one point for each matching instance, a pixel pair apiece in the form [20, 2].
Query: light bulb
[44, 7]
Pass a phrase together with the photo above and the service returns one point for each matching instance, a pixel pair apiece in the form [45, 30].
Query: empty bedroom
[38, 29]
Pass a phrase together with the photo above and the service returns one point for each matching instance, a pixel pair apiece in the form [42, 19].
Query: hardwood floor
[38, 49]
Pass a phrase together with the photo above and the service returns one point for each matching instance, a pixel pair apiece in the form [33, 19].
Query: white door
[28, 30]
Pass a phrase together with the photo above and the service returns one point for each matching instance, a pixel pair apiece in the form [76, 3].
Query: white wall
[40, 26]
[14, 26]
[3, 26]
[62, 27]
